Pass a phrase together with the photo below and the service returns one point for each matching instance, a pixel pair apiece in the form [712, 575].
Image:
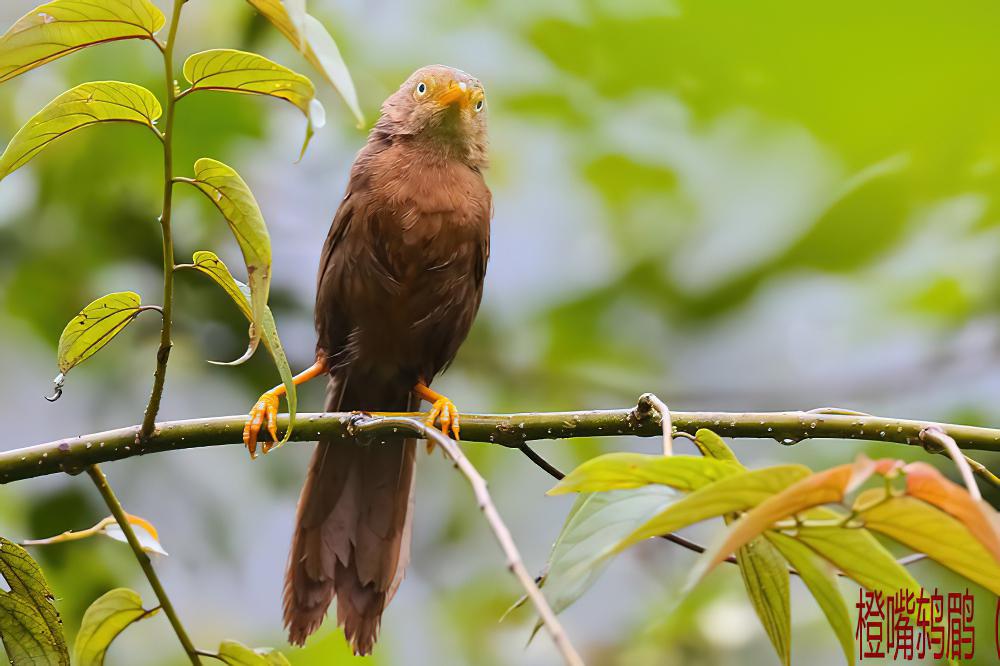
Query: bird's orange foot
[263, 415]
[443, 413]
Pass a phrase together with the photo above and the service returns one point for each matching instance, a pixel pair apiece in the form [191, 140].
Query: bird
[400, 283]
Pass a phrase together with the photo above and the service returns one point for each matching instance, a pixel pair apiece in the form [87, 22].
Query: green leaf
[248, 73]
[237, 654]
[765, 576]
[230, 194]
[944, 539]
[29, 624]
[615, 471]
[588, 538]
[85, 105]
[821, 580]
[319, 49]
[95, 326]
[727, 495]
[713, 446]
[25, 633]
[59, 28]
[209, 264]
[107, 617]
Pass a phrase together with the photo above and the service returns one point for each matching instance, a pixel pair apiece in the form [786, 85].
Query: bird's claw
[264, 414]
[443, 412]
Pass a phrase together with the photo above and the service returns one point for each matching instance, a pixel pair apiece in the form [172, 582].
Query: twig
[982, 472]
[414, 426]
[541, 462]
[147, 566]
[942, 439]
[668, 428]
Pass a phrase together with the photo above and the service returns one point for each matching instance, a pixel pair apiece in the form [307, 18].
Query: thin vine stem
[121, 518]
[163, 351]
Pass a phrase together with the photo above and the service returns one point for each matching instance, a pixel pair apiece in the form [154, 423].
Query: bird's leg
[265, 412]
[442, 410]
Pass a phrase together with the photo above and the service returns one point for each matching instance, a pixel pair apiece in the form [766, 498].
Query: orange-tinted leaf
[946, 540]
[926, 483]
[821, 488]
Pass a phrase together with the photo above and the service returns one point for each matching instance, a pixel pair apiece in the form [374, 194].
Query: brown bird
[400, 281]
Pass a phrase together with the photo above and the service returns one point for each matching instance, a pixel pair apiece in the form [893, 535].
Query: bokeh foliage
[739, 205]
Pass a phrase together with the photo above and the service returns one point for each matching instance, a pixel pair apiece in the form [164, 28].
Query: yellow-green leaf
[59, 28]
[237, 654]
[252, 74]
[926, 529]
[727, 495]
[231, 195]
[209, 264]
[248, 73]
[859, 555]
[319, 49]
[614, 471]
[25, 635]
[821, 580]
[713, 446]
[95, 326]
[765, 576]
[29, 624]
[82, 106]
[107, 617]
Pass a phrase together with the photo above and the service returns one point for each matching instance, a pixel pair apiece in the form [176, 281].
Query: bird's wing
[332, 326]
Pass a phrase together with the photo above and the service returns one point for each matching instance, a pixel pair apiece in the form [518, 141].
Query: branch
[121, 517]
[73, 455]
[414, 426]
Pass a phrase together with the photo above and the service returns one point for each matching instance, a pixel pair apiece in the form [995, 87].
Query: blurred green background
[739, 206]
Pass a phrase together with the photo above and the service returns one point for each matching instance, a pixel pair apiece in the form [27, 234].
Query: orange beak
[456, 93]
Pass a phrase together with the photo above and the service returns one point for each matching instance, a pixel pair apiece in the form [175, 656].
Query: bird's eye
[421, 88]
[479, 106]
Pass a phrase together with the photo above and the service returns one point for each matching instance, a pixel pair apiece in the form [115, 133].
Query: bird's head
[442, 106]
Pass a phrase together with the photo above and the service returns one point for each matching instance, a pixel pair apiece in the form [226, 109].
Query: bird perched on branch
[400, 281]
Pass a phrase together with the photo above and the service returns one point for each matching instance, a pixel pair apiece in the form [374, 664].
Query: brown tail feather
[352, 536]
